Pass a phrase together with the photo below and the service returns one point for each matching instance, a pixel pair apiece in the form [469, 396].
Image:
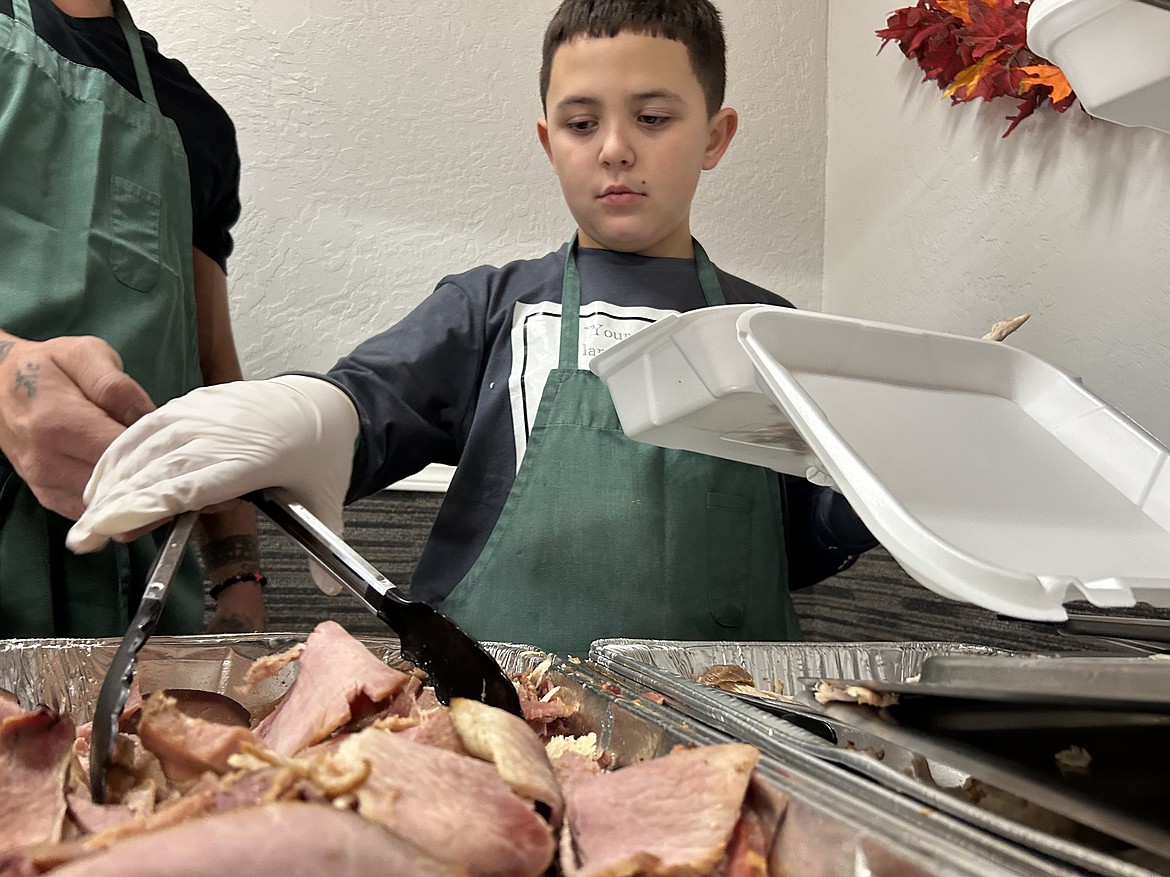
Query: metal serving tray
[835, 825]
[1106, 682]
[670, 668]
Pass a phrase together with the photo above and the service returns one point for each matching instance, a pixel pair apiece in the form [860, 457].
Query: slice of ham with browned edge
[35, 750]
[512, 746]
[749, 852]
[187, 747]
[455, 806]
[277, 840]
[669, 815]
[338, 677]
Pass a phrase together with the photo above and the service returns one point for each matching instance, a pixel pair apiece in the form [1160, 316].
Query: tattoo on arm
[238, 550]
[27, 381]
[5, 347]
[234, 624]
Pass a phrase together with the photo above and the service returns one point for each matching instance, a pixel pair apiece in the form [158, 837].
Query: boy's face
[627, 133]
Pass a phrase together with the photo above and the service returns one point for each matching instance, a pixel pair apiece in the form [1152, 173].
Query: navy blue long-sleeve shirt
[458, 381]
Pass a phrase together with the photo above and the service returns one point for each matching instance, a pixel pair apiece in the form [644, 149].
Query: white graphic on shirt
[536, 341]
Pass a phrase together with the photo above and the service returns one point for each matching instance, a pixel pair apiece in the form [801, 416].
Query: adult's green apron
[603, 536]
[95, 225]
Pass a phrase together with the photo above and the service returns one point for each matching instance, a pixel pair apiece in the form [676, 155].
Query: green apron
[603, 536]
[95, 220]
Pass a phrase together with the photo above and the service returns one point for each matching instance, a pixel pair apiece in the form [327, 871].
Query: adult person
[117, 195]
[557, 528]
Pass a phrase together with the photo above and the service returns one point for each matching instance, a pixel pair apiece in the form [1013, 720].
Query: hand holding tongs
[116, 684]
[456, 664]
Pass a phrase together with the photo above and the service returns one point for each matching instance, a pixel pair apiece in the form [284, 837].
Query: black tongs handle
[116, 684]
[458, 666]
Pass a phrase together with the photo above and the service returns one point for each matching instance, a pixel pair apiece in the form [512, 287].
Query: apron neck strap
[570, 308]
[571, 298]
[22, 13]
[134, 42]
[712, 291]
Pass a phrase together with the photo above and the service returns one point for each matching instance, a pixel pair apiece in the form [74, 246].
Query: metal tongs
[456, 664]
[116, 684]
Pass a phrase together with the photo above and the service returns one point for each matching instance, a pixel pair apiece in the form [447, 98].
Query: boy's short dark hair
[694, 23]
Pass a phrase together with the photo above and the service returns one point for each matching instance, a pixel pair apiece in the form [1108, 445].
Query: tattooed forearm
[243, 551]
[5, 347]
[27, 380]
[233, 623]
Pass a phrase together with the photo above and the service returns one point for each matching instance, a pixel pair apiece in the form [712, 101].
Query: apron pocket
[135, 224]
[729, 529]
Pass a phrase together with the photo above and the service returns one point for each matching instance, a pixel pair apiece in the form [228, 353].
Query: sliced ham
[433, 727]
[18, 866]
[134, 776]
[35, 751]
[455, 806]
[747, 851]
[514, 748]
[92, 818]
[176, 812]
[766, 807]
[338, 675]
[187, 747]
[211, 794]
[276, 840]
[39, 859]
[668, 815]
[573, 758]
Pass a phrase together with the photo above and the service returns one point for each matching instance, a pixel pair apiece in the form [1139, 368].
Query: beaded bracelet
[256, 577]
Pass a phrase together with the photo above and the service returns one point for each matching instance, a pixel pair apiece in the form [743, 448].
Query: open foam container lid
[990, 475]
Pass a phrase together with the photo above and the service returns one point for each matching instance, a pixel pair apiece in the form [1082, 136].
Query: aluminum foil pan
[68, 673]
[780, 667]
[670, 668]
[835, 826]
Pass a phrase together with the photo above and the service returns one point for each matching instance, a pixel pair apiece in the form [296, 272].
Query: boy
[557, 529]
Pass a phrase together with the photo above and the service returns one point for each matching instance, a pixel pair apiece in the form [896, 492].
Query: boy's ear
[542, 135]
[721, 129]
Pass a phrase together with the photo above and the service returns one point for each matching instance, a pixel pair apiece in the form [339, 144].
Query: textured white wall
[388, 144]
[934, 221]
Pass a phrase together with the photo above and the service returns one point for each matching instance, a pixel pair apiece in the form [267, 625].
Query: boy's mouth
[619, 195]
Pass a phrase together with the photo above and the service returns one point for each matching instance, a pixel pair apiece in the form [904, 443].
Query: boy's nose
[616, 150]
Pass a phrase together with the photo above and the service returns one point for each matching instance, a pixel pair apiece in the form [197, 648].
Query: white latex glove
[220, 442]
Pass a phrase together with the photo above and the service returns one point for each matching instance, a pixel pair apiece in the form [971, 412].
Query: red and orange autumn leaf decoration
[1050, 75]
[977, 49]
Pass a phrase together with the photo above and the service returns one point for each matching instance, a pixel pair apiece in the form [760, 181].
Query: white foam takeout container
[990, 475]
[1115, 54]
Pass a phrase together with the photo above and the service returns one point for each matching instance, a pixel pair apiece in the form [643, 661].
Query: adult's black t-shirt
[208, 135]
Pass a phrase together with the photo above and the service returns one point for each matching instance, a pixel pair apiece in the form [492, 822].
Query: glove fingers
[92, 532]
[185, 432]
[132, 507]
[328, 513]
[138, 456]
[324, 580]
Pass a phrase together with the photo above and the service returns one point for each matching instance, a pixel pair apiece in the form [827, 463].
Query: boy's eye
[652, 120]
[581, 125]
